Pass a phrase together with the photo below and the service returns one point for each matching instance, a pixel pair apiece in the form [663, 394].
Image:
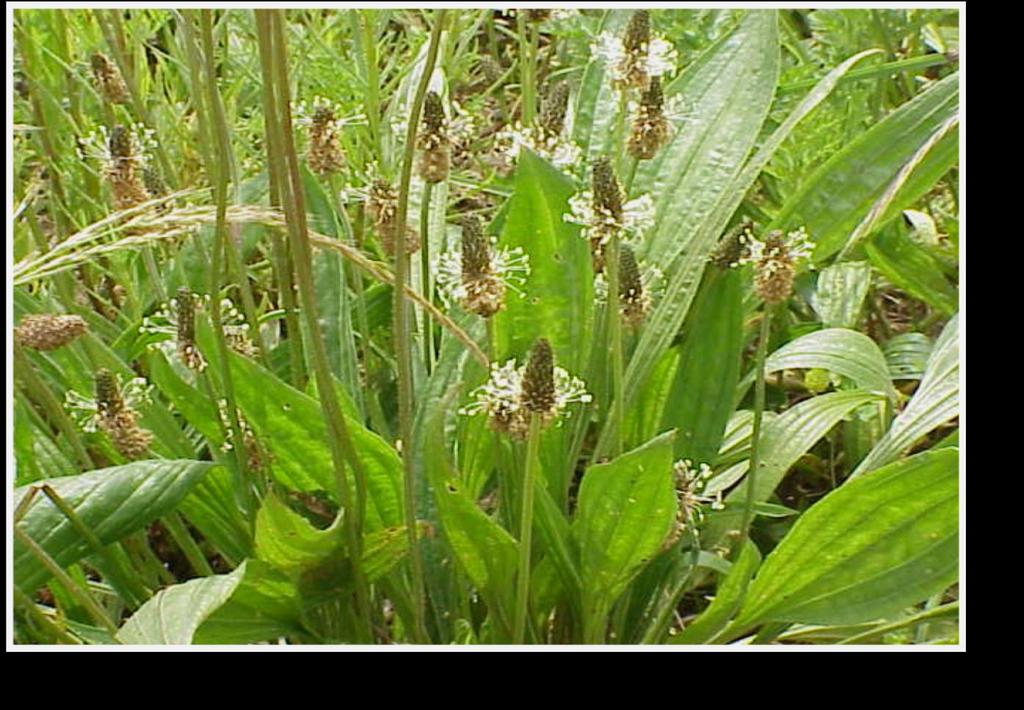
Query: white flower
[637, 217]
[84, 410]
[501, 398]
[690, 483]
[656, 58]
[798, 247]
[661, 57]
[510, 266]
[559, 150]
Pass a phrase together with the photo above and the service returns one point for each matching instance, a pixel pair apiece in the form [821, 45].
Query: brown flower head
[432, 140]
[108, 78]
[48, 332]
[325, 155]
[124, 170]
[650, 129]
[634, 301]
[382, 206]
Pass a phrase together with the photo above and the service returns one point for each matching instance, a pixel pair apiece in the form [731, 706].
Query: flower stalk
[401, 331]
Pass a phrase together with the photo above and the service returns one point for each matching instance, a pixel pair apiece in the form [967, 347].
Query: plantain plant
[400, 326]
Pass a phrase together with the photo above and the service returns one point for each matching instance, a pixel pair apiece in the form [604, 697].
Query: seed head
[121, 143]
[539, 379]
[382, 206]
[607, 193]
[552, 114]
[185, 306]
[124, 170]
[49, 332]
[774, 269]
[435, 155]
[126, 435]
[108, 79]
[733, 248]
[633, 299]
[638, 32]
[153, 181]
[476, 251]
[650, 130]
[108, 394]
[117, 419]
[325, 155]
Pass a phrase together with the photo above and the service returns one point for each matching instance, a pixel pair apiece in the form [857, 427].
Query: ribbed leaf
[556, 300]
[694, 183]
[263, 607]
[936, 401]
[907, 355]
[173, 615]
[700, 401]
[626, 509]
[840, 293]
[783, 441]
[292, 425]
[867, 550]
[845, 352]
[913, 269]
[112, 502]
[834, 200]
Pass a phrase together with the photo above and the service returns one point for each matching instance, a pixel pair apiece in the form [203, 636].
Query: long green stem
[527, 69]
[216, 164]
[755, 434]
[270, 28]
[611, 265]
[428, 331]
[81, 595]
[401, 328]
[526, 529]
[179, 533]
[122, 578]
[372, 79]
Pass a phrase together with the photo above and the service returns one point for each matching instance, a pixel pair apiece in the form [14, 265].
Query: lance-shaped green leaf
[907, 355]
[291, 424]
[784, 440]
[597, 103]
[700, 401]
[913, 269]
[486, 552]
[840, 292]
[111, 502]
[626, 509]
[728, 597]
[837, 197]
[867, 550]
[936, 401]
[757, 36]
[556, 300]
[290, 543]
[845, 352]
[264, 606]
[174, 614]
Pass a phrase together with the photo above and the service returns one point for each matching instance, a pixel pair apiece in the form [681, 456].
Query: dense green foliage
[479, 327]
